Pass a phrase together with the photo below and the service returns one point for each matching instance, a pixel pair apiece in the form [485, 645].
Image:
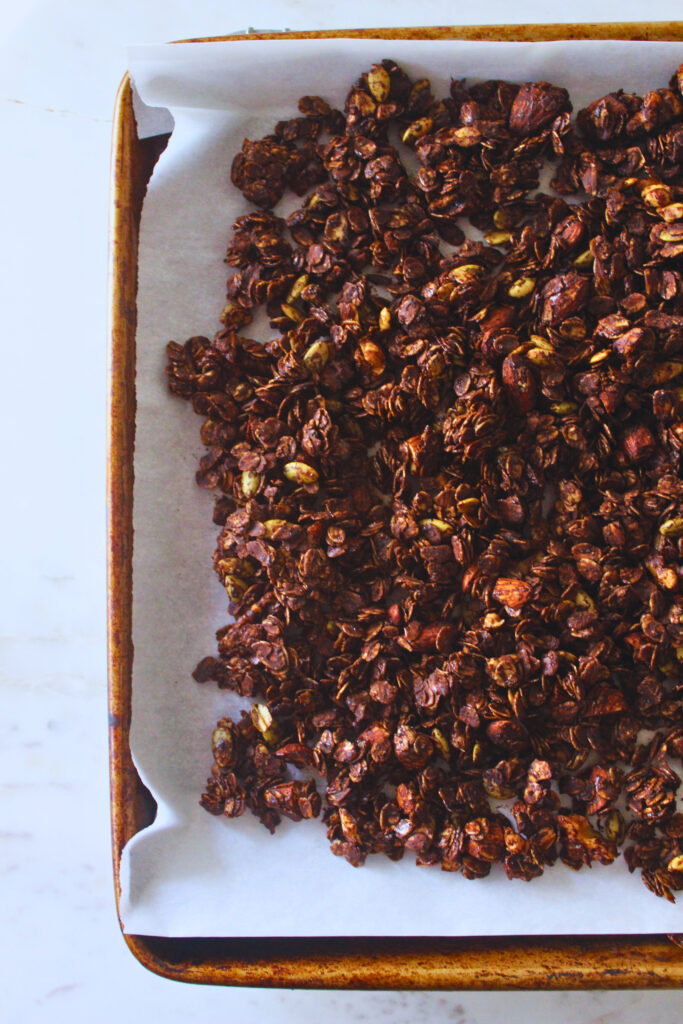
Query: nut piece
[512, 593]
[520, 383]
[639, 443]
[371, 357]
[536, 105]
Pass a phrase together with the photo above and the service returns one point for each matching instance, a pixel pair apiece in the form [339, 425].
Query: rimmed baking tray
[540, 962]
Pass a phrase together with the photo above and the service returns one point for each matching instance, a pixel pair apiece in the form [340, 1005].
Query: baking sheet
[191, 874]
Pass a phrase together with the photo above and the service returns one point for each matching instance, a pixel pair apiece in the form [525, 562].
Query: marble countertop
[62, 953]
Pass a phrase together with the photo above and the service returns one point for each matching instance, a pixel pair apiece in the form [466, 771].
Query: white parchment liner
[190, 873]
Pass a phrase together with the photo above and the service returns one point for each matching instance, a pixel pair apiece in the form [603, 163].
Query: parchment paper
[190, 873]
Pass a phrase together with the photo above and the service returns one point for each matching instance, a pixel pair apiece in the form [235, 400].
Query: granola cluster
[449, 485]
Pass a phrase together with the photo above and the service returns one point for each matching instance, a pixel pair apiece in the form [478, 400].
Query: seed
[316, 356]
[419, 88]
[584, 260]
[663, 372]
[446, 290]
[445, 529]
[261, 717]
[522, 287]
[442, 744]
[468, 505]
[263, 721]
[599, 357]
[300, 473]
[672, 212]
[335, 229]
[672, 234]
[232, 311]
[364, 104]
[235, 587]
[584, 600]
[272, 526]
[297, 288]
[672, 527]
[564, 408]
[613, 826]
[478, 753]
[223, 747]
[676, 863]
[506, 217]
[497, 237]
[291, 313]
[417, 129]
[666, 576]
[539, 357]
[656, 194]
[467, 136]
[384, 319]
[235, 567]
[573, 330]
[668, 668]
[379, 82]
[465, 273]
[541, 342]
[250, 483]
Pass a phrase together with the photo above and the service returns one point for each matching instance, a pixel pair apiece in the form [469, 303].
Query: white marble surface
[63, 958]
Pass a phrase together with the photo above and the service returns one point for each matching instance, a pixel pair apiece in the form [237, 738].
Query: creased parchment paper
[191, 874]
